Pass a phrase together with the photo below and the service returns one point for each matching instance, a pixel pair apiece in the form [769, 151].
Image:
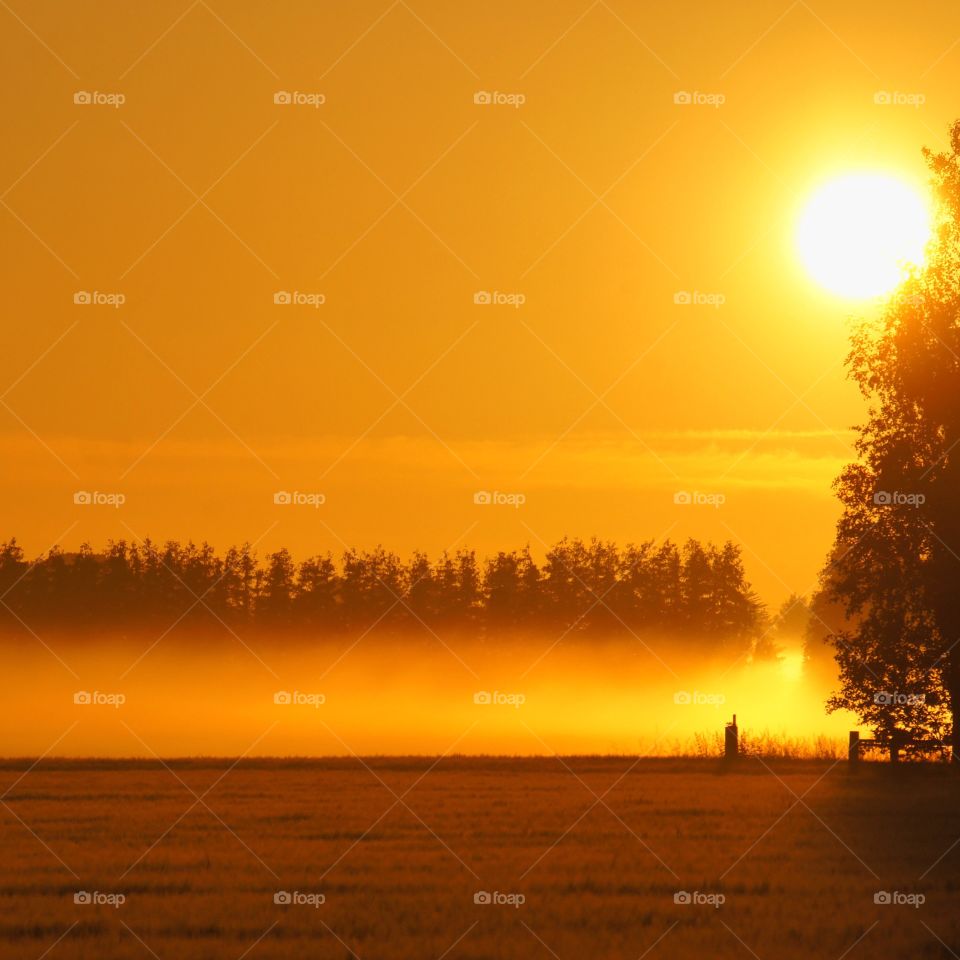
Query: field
[580, 858]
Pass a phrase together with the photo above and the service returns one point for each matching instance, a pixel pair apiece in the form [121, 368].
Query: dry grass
[766, 745]
[399, 877]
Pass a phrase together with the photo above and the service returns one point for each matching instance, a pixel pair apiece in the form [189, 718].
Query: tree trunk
[948, 621]
[953, 682]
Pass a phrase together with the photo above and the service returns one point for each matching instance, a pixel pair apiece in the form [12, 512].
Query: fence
[899, 741]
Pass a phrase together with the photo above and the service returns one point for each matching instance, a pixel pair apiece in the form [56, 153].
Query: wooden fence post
[853, 749]
[731, 744]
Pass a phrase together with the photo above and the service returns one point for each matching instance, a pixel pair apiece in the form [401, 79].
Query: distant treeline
[699, 590]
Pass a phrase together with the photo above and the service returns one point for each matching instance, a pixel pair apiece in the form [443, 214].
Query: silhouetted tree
[511, 589]
[279, 582]
[241, 581]
[696, 590]
[12, 570]
[667, 600]
[422, 589]
[788, 627]
[736, 612]
[896, 561]
[373, 588]
[317, 592]
[578, 584]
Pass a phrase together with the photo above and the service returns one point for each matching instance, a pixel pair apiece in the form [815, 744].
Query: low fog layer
[191, 695]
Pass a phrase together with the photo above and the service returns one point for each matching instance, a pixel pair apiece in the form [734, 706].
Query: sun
[859, 234]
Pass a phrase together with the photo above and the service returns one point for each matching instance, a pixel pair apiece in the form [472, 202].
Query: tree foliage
[895, 565]
[699, 591]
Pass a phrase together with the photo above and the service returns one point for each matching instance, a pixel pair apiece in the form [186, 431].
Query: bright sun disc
[859, 233]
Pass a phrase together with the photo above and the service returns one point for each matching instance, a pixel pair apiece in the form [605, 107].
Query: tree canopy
[895, 564]
[697, 590]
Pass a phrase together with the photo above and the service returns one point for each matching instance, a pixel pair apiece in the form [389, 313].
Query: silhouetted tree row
[698, 589]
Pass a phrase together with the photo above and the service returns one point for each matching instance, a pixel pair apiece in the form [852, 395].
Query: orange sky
[598, 199]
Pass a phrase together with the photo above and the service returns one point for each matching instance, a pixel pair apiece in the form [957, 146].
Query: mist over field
[194, 694]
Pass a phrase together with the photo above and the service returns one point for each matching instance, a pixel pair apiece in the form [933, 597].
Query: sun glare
[791, 666]
[859, 234]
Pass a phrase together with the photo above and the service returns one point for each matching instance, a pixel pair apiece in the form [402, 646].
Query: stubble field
[387, 858]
